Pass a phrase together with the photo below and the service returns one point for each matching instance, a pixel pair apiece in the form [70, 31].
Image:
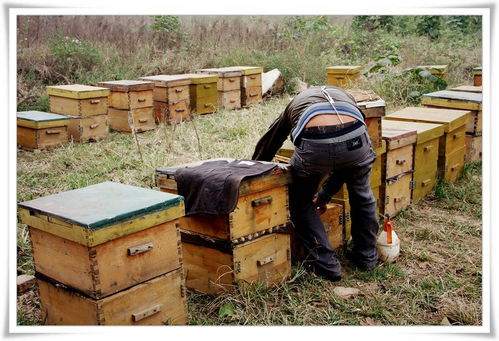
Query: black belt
[324, 132]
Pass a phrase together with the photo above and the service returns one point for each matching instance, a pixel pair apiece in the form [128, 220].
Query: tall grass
[302, 47]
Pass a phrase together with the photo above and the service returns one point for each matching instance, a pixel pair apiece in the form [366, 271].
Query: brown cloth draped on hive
[213, 186]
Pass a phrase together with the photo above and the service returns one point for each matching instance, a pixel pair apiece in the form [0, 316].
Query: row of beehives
[86, 113]
[414, 146]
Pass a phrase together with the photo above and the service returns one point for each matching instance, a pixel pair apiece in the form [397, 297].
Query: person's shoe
[359, 264]
[329, 275]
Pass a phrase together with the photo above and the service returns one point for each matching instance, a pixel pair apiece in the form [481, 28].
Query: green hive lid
[477, 68]
[102, 205]
[40, 116]
[456, 95]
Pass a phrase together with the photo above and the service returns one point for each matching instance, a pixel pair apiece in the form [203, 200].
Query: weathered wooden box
[477, 76]
[229, 86]
[342, 75]
[140, 119]
[262, 206]
[473, 148]
[78, 100]
[203, 93]
[397, 183]
[171, 98]
[129, 94]
[251, 84]
[88, 128]
[104, 238]
[451, 143]
[425, 154]
[41, 130]
[212, 267]
[158, 301]
[458, 100]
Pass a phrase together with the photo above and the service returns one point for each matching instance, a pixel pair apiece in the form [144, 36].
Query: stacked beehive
[108, 254]
[203, 93]
[342, 75]
[243, 246]
[41, 130]
[397, 171]
[171, 98]
[464, 100]
[477, 76]
[451, 146]
[425, 154]
[86, 106]
[130, 105]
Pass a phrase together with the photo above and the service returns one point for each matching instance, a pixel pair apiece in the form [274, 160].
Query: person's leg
[363, 215]
[308, 225]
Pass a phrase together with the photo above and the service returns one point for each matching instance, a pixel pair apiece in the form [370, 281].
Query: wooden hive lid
[453, 99]
[396, 138]
[168, 80]
[477, 70]
[223, 72]
[425, 131]
[468, 88]
[40, 119]
[450, 118]
[368, 99]
[127, 85]
[282, 171]
[202, 78]
[77, 91]
[247, 70]
[435, 69]
[99, 213]
[344, 69]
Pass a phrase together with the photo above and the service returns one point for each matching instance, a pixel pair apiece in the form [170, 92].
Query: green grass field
[439, 272]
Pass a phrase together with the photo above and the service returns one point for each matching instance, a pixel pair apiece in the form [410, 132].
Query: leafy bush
[374, 22]
[165, 23]
[429, 26]
[382, 62]
[298, 26]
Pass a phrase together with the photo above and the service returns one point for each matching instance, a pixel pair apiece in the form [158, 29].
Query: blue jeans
[310, 163]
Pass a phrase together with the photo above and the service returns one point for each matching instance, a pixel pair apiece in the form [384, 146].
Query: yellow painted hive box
[41, 130]
[398, 169]
[425, 154]
[228, 86]
[78, 100]
[203, 93]
[171, 98]
[104, 238]
[342, 75]
[451, 146]
[464, 100]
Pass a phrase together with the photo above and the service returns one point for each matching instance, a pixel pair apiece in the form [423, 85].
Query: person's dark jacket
[272, 140]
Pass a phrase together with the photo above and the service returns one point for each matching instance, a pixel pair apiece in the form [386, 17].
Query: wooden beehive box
[171, 98]
[104, 238]
[229, 86]
[40, 130]
[158, 301]
[473, 148]
[397, 173]
[373, 108]
[451, 146]
[254, 214]
[477, 76]
[458, 100]
[342, 75]
[251, 84]
[468, 88]
[439, 71]
[203, 93]
[425, 154]
[130, 105]
[88, 128]
[212, 267]
[78, 100]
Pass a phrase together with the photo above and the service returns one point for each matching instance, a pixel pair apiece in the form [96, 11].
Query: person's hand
[320, 206]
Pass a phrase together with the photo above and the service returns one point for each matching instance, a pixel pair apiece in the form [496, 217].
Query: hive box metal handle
[428, 148]
[456, 135]
[143, 120]
[400, 162]
[207, 86]
[266, 260]
[232, 80]
[453, 168]
[232, 101]
[262, 201]
[179, 90]
[253, 95]
[95, 125]
[95, 101]
[146, 313]
[141, 99]
[179, 110]
[52, 132]
[252, 77]
[426, 182]
[399, 199]
[135, 250]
